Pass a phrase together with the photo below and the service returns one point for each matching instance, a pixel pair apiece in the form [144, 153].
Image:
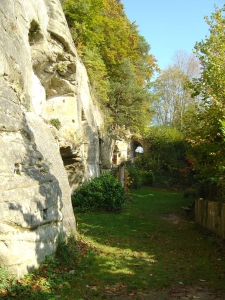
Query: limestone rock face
[41, 79]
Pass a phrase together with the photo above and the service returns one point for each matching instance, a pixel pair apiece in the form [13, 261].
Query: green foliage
[129, 102]
[211, 55]
[85, 20]
[56, 123]
[5, 278]
[117, 59]
[139, 176]
[166, 157]
[205, 130]
[111, 244]
[135, 176]
[34, 28]
[101, 193]
[98, 74]
[147, 178]
[63, 248]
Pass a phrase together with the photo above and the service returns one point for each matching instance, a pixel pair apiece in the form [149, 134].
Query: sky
[171, 25]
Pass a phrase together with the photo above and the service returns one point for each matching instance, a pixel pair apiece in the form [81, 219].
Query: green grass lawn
[151, 244]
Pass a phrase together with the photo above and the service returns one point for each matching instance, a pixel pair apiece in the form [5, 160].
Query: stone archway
[135, 143]
[136, 146]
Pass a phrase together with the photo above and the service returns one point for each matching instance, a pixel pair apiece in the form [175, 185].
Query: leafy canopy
[206, 131]
[171, 97]
[117, 59]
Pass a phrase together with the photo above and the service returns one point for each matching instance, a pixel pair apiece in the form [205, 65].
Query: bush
[4, 278]
[147, 178]
[64, 252]
[139, 177]
[166, 158]
[101, 193]
[135, 176]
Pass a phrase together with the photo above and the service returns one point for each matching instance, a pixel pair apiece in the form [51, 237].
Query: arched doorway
[136, 149]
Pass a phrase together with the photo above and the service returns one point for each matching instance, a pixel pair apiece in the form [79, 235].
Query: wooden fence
[211, 215]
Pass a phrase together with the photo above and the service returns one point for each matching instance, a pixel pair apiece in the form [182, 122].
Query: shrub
[147, 178]
[56, 123]
[138, 176]
[166, 158]
[64, 250]
[135, 176]
[101, 193]
[4, 278]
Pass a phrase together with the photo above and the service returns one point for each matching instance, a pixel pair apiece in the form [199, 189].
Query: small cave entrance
[67, 155]
[73, 165]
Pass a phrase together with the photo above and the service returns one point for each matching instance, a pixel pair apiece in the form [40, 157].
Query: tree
[129, 102]
[206, 133]
[166, 156]
[172, 99]
[98, 75]
[85, 20]
[117, 58]
[189, 64]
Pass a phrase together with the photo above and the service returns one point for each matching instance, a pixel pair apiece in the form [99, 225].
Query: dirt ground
[177, 293]
[173, 218]
[185, 293]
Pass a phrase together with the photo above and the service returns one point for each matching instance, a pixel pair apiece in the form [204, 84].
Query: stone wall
[41, 78]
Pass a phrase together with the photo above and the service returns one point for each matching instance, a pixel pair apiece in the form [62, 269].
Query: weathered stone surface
[80, 119]
[38, 60]
[42, 78]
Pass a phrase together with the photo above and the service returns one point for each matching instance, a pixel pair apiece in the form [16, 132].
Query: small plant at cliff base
[64, 249]
[4, 278]
[101, 193]
[56, 123]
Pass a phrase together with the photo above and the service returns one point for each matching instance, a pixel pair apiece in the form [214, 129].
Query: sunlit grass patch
[151, 244]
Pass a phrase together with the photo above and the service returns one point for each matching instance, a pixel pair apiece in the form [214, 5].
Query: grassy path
[150, 250]
[150, 245]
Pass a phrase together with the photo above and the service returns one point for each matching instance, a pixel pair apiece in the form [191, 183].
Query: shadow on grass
[139, 249]
[132, 252]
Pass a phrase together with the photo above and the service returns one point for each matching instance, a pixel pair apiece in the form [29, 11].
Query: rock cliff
[42, 82]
